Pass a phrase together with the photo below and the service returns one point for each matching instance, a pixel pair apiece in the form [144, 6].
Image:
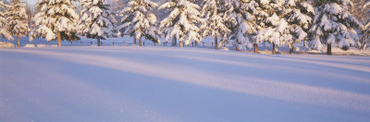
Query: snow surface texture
[180, 84]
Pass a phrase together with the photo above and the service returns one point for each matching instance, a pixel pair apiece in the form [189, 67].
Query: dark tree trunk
[140, 43]
[237, 48]
[328, 49]
[59, 40]
[273, 48]
[216, 42]
[291, 48]
[98, 38]
[18, 43]
[255, 45]
[174, 41]
[134, 41]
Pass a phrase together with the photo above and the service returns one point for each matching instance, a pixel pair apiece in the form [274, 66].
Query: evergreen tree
[17, 19]
[215, 24]
[280, 22]
[241, 21]
[96, 20]
[139, 21]
[333, 23]
[299, 15]
[4, 31]
[366, 30]
[55, 19]
[181, 22]
[272, 24]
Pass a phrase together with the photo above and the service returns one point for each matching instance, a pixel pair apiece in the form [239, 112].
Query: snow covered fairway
[173, 84]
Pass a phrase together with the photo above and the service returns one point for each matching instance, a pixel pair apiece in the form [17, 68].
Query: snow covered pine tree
[55, 19]
[365, 39]
[17, 19]
[241, 21]
[280, 22]
[272, 25]
[139, 21]
[181, 22]
[333, 23]
[214, 25]
[96, 20]
[299, 15]
[4, 31]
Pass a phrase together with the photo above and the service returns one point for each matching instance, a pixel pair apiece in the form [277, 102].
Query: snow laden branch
[96, 20]
[17, 19]
[139, 21]
[333, 24]
[181, 23]
[215, 24]
[55, 19]
[4, 28]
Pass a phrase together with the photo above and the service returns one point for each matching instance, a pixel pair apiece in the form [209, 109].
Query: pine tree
[333, 23]
[181, 22]
[299, 15]
[366, 30]
[241, 21]
[55, 19]
[139, 21]
[96, 20]
[17, 19]
[272, 25]
[4, 31]
[215, 24]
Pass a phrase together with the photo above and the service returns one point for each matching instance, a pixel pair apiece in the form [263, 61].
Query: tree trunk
[174, 40]
[255, 45]
[237, 48]
[59, 40]
[216, 42]
[18, 43]
[328, 49]
[140, 43]
[99, 44]
[134, 41]
[291, 48]
[181, 44]
[273, 48]
[304, 43]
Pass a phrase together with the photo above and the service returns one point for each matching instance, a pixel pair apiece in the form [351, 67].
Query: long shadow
[191, 102]
[303, 74]
[113, 61]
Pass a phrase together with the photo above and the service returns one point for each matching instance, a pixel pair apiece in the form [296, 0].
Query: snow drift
[173, 84]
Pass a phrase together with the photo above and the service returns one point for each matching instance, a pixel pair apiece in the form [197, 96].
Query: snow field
[180, 84]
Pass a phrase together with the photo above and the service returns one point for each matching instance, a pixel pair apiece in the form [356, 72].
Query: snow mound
[180, 84]
[6, 45]
[43, 45]
[29, 45]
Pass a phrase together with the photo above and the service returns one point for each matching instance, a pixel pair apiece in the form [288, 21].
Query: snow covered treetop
[182, 21]
[55, 16]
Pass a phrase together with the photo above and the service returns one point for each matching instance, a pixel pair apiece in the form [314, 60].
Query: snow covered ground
[179, 84]
[264, 48]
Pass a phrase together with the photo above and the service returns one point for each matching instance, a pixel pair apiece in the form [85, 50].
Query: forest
[318, 24]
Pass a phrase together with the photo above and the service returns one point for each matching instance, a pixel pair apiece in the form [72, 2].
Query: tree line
[243, 23]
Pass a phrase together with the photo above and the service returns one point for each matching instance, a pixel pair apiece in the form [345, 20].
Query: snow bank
[180, 84]
[45, 45]
[6, 45]
[29, 45]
